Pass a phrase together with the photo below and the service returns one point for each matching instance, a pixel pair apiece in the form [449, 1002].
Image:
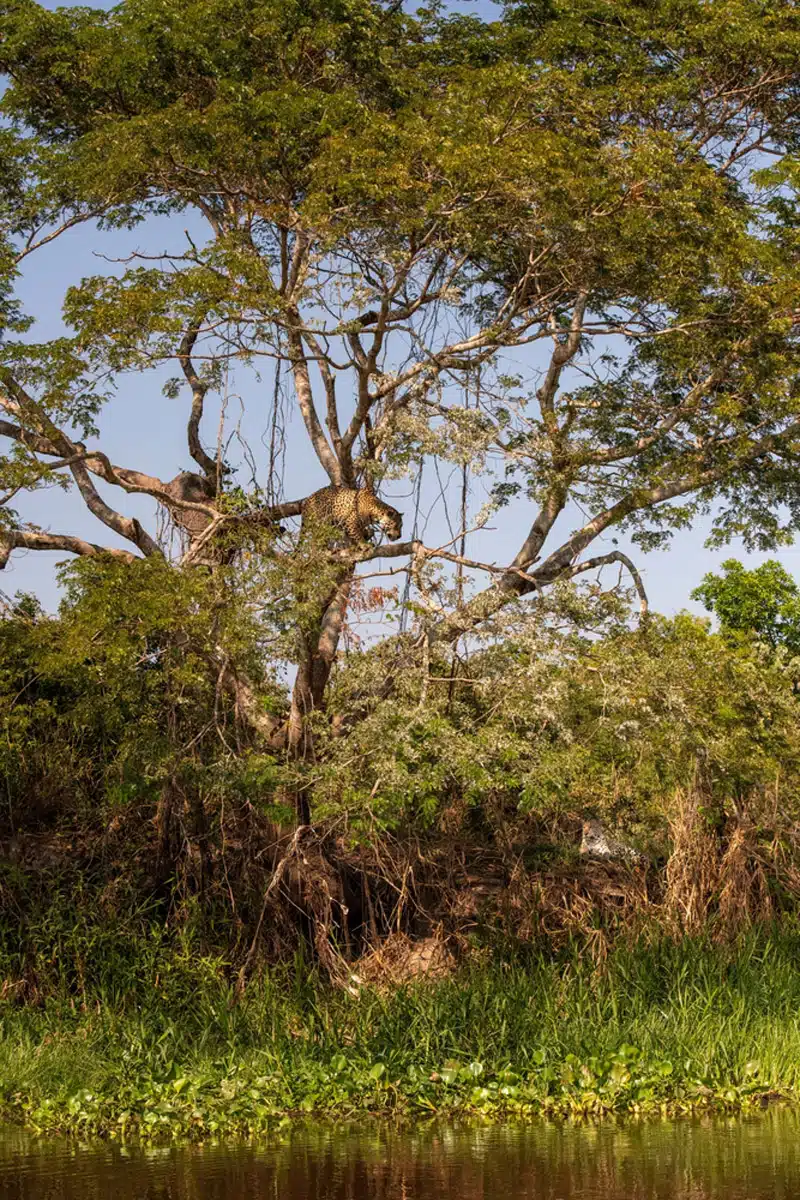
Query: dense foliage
[764, 601]
[106, 701]
[129, 777]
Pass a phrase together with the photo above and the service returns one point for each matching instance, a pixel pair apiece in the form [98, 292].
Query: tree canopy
[764, 601]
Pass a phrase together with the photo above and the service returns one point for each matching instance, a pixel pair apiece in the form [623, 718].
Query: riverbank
[671, 1027]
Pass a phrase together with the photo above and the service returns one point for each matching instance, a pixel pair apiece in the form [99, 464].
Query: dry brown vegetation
[408, 908]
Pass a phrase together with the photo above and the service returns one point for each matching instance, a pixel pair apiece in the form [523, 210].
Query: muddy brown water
[691, 1160]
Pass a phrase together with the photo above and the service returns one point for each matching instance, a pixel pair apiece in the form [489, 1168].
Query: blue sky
[141, 428]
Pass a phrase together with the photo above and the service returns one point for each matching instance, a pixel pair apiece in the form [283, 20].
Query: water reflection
[701, 1160]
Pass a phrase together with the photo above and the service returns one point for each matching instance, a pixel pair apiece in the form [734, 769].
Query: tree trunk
[313, 673]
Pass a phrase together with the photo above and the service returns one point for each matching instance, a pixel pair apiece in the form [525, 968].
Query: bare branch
[35, 243]
[603, 560]
[465, 354]
[29, 539]
[207, 464]
[305, 400]
[128, 527]
[421, 552]
[366, 363]
[510, 586]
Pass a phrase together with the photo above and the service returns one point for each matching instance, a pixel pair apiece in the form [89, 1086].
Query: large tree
[392, 206]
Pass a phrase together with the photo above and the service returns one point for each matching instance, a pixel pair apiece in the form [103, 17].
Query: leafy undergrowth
[664, 1028]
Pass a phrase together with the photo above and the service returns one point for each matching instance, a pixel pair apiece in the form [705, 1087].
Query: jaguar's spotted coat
[356, 511]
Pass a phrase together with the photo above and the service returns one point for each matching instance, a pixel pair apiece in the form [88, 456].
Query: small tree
[392, 204]
[764, 601]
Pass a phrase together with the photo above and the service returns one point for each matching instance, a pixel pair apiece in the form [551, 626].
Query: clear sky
[143, 429]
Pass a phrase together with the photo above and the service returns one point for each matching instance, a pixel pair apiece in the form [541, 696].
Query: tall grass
[672, 1024]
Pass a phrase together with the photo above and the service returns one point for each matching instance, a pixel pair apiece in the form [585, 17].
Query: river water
[691, 1160]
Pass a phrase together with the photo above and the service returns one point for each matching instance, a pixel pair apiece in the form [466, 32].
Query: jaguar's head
[391, 522]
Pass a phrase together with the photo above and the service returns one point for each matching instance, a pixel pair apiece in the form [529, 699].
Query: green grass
[664, 1027]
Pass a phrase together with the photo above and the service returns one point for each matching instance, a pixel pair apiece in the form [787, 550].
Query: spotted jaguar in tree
[356, 511]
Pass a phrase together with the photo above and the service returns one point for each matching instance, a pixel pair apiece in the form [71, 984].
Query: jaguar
[356, 511]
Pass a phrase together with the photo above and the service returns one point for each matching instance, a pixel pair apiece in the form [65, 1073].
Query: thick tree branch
[545, 519]
[332, 412]
[138, 482]
[249, 704]
[565, 350]
[33, 441]
[305, 400]
[22, 404]
[207, 464]
[99, 464]
[29, 539]
[364, 367]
